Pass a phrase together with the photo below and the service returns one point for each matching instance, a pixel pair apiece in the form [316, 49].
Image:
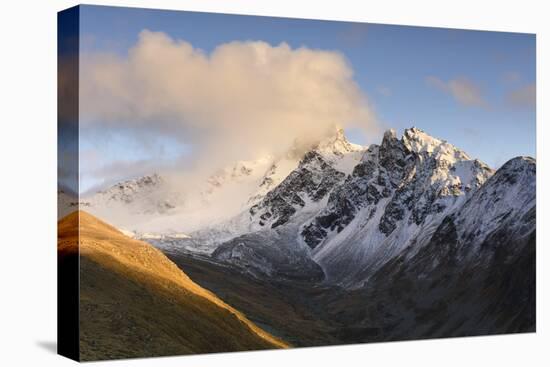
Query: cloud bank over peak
[241, 100]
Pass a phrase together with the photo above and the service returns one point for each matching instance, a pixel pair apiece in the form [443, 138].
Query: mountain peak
[419, 141]
[519, 162]
[153, 179]
[336, 143]
[414, 139]
[390, 134]
[515, 168]
[339, 132]
[131, 185]
[414, 130]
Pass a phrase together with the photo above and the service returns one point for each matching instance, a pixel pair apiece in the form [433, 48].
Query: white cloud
[241, 100]
[463, 90]
[525, 96]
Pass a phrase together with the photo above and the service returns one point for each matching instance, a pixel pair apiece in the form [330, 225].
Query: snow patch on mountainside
[507, 196]
[155, 204]
[289, 193]
[395, 197]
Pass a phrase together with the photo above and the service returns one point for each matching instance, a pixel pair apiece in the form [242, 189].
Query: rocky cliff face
[476, 274]
[309, 183]
[359, 217]
[396, 195]
[265, 240]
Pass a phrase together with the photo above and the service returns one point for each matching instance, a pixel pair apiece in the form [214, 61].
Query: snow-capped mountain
[306, 187]
[389, 205]
[264, 239]
[158, 205]
[505, 203]
[339, 212]
[398, 194]
[143, 195]
[476, 274]
[296, 185]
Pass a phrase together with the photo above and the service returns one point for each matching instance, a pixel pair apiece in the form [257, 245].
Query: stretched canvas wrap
[238, 183]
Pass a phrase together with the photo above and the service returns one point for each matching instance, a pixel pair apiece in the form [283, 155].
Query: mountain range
[405, 239]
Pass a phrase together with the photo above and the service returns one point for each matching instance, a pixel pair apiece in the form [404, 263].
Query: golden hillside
[134, 302]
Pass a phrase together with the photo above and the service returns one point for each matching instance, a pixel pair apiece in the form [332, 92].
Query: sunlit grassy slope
[134, 302]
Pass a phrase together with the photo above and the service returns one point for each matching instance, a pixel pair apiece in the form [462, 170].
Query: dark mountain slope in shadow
[134, 302]
[292, 310]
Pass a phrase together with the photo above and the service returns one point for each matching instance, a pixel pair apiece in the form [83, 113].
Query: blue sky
[472, 88]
